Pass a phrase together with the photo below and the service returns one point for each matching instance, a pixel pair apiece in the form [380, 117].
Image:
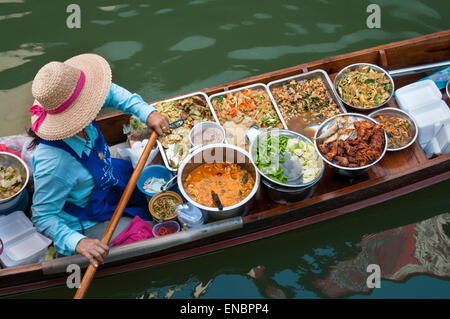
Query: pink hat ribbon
[42, 113]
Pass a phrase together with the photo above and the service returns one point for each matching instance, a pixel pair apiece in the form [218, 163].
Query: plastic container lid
[190, 215]
[417, 94]
[22, 244]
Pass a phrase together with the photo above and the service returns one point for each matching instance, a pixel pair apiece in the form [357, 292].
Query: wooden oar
[90, 272]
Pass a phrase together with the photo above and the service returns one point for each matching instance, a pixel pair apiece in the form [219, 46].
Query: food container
[166, 158]
[297, 123]
[197, 140]
[390, 111]
[285, 192]
[157, 171]
[8, 159]
[151, 204]
[343, 170]
[190, 216]
[353, 67]
[22, 244]
[219, 153]
[431, 120]
[240, 130]
[173, 225]
[414, 98]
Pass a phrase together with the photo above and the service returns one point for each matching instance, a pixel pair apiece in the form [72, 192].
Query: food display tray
[294, 123]
[256, 85]
[164, 156]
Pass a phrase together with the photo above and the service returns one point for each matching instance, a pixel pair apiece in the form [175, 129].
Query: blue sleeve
[121, 99]
[50, 195]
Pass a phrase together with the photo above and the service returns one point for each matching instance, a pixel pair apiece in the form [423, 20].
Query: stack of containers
[20, 243]
[423, 100]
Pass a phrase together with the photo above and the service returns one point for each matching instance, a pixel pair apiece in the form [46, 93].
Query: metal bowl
[343, 170]
[285, 195]
[353, 67]
[275, 183]
[220, 153]
[8, 159]
[390, 111]
[204, 125]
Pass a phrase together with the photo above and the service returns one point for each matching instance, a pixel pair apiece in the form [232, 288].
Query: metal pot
[219, 153]
[280, 192]
[284, 195]
[343, 170]
[8, 159]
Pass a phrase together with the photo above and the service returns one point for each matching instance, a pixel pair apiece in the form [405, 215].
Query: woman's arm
[122, 99]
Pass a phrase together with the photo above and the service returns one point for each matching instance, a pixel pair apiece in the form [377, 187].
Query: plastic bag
[134, 153]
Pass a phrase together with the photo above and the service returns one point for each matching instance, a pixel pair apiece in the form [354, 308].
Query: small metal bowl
[8, 159]
[353, 67]
[343, 170]
[202, 126]
[390, 111]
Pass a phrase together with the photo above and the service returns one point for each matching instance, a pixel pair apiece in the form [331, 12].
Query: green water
[163, 48]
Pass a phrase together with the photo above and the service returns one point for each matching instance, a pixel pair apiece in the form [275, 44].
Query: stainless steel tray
[309, 75]
[263, 86]
[161, 148]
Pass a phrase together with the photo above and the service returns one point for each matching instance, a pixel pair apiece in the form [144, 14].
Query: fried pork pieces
[366, 148]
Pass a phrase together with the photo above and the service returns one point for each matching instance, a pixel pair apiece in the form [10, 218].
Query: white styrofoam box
[430, 121]
[22, 244]
[432, 147]
[415, 95]
[443, 139]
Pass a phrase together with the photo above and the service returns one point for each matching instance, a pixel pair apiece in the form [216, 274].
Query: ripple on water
[163, 11]
[113, 8]
[329, 28]
[192, 43]
[290, 7]
[229, 26]
[14, 15]
[274, 52]
[262, 16]
[127, 14]
[118, 50]
[102, 22]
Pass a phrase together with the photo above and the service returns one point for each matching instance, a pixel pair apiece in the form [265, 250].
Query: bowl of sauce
[400, 127]
[163, 206]
[206, 133]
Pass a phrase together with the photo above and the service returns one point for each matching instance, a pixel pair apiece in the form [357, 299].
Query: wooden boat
[396, 174]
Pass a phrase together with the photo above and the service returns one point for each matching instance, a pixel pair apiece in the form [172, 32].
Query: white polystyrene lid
[26, 247]
[417, 93]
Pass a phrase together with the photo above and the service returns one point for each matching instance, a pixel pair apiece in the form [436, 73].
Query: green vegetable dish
[287, 160]
[364, 87]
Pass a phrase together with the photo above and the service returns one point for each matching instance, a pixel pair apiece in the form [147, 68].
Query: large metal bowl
[391, 111]
[447, 89]
[8, 159]
[288, 133]
[353, 67]
[343, 170]
[220, 153]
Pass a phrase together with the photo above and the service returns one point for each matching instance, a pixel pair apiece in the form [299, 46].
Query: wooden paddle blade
[90, 272]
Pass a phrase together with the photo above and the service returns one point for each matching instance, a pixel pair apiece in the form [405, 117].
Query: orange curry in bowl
[230, 182]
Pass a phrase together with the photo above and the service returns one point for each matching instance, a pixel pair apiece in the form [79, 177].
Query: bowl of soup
[219, 179]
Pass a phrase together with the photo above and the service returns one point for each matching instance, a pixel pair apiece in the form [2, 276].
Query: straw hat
[69, 95]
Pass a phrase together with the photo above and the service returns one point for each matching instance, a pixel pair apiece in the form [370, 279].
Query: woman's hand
[92, 249]
[157, 122]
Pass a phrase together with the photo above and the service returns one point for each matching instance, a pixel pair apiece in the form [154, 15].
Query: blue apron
[111, 176]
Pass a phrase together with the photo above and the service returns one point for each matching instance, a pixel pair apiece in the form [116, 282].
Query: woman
[77, 183]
